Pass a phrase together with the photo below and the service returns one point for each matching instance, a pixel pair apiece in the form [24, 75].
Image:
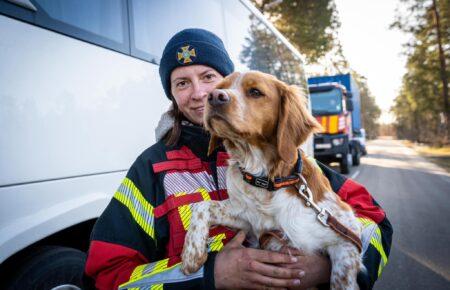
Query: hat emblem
[186, 54]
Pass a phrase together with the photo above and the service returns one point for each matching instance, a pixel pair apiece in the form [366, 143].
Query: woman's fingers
[271, 257]
[291, 251]
[275, 271]
[264, 281]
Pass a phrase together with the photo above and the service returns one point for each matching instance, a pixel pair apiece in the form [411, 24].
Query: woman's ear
[214, 142]
[295, 122]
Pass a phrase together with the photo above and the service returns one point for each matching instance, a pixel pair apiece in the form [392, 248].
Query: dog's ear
[214, 142]
[295, 122]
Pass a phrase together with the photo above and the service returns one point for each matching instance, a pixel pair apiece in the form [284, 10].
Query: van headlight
[338, 141]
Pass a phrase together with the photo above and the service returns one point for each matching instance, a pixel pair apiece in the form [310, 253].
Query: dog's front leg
[204, 215]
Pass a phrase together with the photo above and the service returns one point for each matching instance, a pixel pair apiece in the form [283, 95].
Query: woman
[138, 239]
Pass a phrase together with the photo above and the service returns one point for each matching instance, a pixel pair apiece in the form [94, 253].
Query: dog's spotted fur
[262, 134]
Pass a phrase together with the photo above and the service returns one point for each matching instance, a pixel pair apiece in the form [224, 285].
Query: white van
[80, 96]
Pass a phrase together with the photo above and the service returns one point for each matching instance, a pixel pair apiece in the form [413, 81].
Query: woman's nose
[199, 91]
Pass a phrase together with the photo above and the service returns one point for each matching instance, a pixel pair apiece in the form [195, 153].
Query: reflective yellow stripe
[376, 242]
[365, 222]
[185, 212]
[204, 193]
[137, 272]
[138, 195]
[149, 270]
[148, 228]
[141, 210]
[217, 243]
[159, 266]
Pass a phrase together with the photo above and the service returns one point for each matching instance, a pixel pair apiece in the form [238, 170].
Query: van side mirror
[349, 105]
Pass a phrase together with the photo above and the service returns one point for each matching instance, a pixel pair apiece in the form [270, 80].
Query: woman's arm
[125, 249]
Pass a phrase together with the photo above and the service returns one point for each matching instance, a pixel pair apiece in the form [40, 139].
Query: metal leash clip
[322, 213]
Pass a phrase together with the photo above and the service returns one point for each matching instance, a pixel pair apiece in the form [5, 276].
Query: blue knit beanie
[193, 46]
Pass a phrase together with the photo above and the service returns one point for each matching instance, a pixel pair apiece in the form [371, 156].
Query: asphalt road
[416, 196]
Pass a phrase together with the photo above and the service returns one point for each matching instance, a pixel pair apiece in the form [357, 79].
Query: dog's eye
[255, 93]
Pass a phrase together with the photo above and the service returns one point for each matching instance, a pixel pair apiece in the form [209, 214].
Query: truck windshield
[327, 102]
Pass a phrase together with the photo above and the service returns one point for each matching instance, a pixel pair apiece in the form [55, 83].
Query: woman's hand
[237, 267]
[317, 268]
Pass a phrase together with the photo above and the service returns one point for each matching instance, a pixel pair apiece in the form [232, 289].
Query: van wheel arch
[74, 241]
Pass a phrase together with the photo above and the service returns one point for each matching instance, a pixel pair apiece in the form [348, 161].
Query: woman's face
[190, 86]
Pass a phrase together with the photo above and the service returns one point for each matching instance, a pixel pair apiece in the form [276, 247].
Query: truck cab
[330, 106]
[334, 100]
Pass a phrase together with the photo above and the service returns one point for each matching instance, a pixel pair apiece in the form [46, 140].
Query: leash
[265, 238]
[324, 215]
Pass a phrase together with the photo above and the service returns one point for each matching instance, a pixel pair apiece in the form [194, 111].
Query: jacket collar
[193, 136]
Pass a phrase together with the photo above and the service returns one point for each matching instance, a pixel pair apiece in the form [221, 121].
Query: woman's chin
[197, 119]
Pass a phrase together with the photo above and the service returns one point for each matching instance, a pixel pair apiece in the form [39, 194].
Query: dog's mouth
[214, 120]
[219, 125]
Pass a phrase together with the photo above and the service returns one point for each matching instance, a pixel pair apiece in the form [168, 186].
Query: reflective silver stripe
[366, 235]
[176, 182]
[146, 213]
[172, 275]
[141, 210]
[221, 176]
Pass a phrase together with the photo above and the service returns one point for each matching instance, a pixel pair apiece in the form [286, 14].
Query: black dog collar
[278, 182]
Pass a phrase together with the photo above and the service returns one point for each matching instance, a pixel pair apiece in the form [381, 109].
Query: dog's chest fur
[281, 210]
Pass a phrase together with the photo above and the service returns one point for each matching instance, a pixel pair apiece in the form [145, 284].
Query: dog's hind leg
[346, 263]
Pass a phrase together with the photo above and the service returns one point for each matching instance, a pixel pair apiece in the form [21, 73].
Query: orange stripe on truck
[330, 124]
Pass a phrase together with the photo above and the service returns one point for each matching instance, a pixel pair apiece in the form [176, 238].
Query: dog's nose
[218, 98]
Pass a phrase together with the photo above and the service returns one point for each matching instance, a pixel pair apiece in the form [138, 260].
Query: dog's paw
[192, 260]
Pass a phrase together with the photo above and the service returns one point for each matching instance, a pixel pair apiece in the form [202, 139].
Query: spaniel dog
[275, 192]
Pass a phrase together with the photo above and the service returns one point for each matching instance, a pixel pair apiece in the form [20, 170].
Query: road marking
[355, 175]
[425, 262]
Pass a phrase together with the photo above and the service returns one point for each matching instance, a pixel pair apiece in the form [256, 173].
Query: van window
[153, 22]
[97, 21]
[291, 69]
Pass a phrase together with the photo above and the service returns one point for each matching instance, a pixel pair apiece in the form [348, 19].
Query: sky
[373, 49]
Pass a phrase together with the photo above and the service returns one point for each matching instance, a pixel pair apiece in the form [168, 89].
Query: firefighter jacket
[137, 241]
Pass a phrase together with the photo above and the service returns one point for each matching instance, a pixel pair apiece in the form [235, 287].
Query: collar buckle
[262, 182]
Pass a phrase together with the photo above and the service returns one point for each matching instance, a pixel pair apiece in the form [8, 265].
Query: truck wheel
[50, 267]
[345, 163]
[356, 156]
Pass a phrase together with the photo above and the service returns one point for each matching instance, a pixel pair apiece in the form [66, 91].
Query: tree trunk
[443, 71]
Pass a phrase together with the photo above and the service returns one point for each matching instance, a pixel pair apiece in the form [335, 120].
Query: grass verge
[440, 156]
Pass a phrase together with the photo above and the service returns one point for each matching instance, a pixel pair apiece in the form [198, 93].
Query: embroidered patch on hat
[186, 54]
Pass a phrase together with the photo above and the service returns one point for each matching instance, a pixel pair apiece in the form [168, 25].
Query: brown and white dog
[262, 122]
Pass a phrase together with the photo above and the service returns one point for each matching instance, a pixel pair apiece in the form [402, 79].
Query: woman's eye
[255, 93]
[210, 77]
[181, 84]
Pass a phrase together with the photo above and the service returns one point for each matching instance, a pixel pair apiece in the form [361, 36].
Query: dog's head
[257, 108]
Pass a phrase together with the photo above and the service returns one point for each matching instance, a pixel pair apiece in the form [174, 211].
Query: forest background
[421, 108]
